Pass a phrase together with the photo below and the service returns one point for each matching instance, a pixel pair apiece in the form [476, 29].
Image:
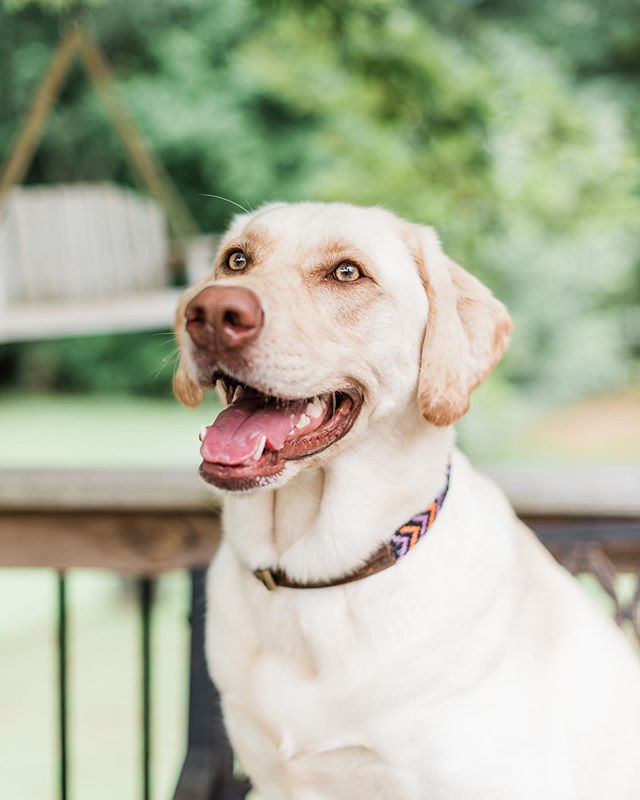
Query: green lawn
[96, 431]
[104, 668]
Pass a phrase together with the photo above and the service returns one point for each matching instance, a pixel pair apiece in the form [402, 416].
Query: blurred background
[512, 126]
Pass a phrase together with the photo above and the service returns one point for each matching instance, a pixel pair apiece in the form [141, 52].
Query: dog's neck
[326, 522]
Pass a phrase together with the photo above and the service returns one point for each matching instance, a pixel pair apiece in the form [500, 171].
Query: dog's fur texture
[474, 669]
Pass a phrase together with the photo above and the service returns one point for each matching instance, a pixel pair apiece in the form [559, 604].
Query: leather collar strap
[403, 541]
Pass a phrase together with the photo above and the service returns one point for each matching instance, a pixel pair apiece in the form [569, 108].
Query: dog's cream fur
[474, 669]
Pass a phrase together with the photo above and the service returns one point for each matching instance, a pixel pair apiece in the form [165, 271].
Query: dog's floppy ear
[467, 332]
[186, 390]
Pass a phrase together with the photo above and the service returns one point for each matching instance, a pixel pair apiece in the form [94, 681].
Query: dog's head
[319, 321]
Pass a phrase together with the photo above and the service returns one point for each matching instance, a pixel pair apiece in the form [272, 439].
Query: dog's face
[319, 320]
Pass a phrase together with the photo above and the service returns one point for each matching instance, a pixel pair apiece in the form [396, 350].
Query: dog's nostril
[234, 319]
[196, 314]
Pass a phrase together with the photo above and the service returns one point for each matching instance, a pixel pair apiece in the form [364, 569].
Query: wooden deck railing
[144, 523]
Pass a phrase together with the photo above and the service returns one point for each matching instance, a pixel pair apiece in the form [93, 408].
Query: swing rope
[148, 170]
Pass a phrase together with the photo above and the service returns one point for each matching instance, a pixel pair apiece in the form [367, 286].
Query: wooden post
[147, 167]
[21, 154]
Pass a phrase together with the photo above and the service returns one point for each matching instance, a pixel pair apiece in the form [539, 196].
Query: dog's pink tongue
[243, 429]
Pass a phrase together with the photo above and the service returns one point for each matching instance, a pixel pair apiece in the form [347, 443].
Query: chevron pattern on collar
[408, 536]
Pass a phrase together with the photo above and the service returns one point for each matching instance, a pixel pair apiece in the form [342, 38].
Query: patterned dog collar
[405, 538]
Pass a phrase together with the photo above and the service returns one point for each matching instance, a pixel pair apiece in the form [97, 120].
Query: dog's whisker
[167, 360]
[227, 200]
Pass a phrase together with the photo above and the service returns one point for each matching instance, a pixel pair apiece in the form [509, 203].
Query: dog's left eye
[346, 272]
[237, 260]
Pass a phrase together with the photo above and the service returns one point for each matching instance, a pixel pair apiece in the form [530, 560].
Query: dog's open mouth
[256, 434]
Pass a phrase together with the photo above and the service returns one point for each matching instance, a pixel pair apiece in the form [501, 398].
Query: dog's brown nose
[224, 316]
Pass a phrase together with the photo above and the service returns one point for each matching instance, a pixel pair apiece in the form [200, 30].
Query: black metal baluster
[63, 709]
[145, 594]
[207, 772]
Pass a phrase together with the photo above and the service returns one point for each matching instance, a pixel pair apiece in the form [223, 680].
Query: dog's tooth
[239, 391]
[304, 420]
[315, 407]
[260, 448]
[203, 432]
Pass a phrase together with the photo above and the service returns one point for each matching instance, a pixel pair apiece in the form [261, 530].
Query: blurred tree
[496, 122]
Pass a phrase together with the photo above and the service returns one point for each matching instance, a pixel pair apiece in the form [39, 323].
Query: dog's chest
[294, 692]
[292, 672]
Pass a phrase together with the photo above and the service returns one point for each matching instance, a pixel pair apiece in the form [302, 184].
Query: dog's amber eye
[346, 272]
[237, 260]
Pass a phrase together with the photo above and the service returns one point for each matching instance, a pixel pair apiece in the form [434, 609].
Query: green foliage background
[510, 126]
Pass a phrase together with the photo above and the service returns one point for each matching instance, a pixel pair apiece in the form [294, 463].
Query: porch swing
[86, 258]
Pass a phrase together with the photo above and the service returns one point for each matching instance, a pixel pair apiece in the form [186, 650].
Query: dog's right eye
[346, 272]
[237, 261]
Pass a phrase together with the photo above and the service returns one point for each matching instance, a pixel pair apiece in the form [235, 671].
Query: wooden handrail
[145, 522]
[578, 491]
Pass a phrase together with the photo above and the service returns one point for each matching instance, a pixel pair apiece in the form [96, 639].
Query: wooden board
[133, 543]
[150, 310]
[179, 490]
[575, 491]
[571, 489]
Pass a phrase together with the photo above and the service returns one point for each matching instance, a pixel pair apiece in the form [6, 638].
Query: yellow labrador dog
[380, 625]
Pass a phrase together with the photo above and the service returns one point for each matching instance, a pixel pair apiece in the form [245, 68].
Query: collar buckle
[266, 577]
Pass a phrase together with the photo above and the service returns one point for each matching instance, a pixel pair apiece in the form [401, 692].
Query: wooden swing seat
[153, 310]
[82, 258]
